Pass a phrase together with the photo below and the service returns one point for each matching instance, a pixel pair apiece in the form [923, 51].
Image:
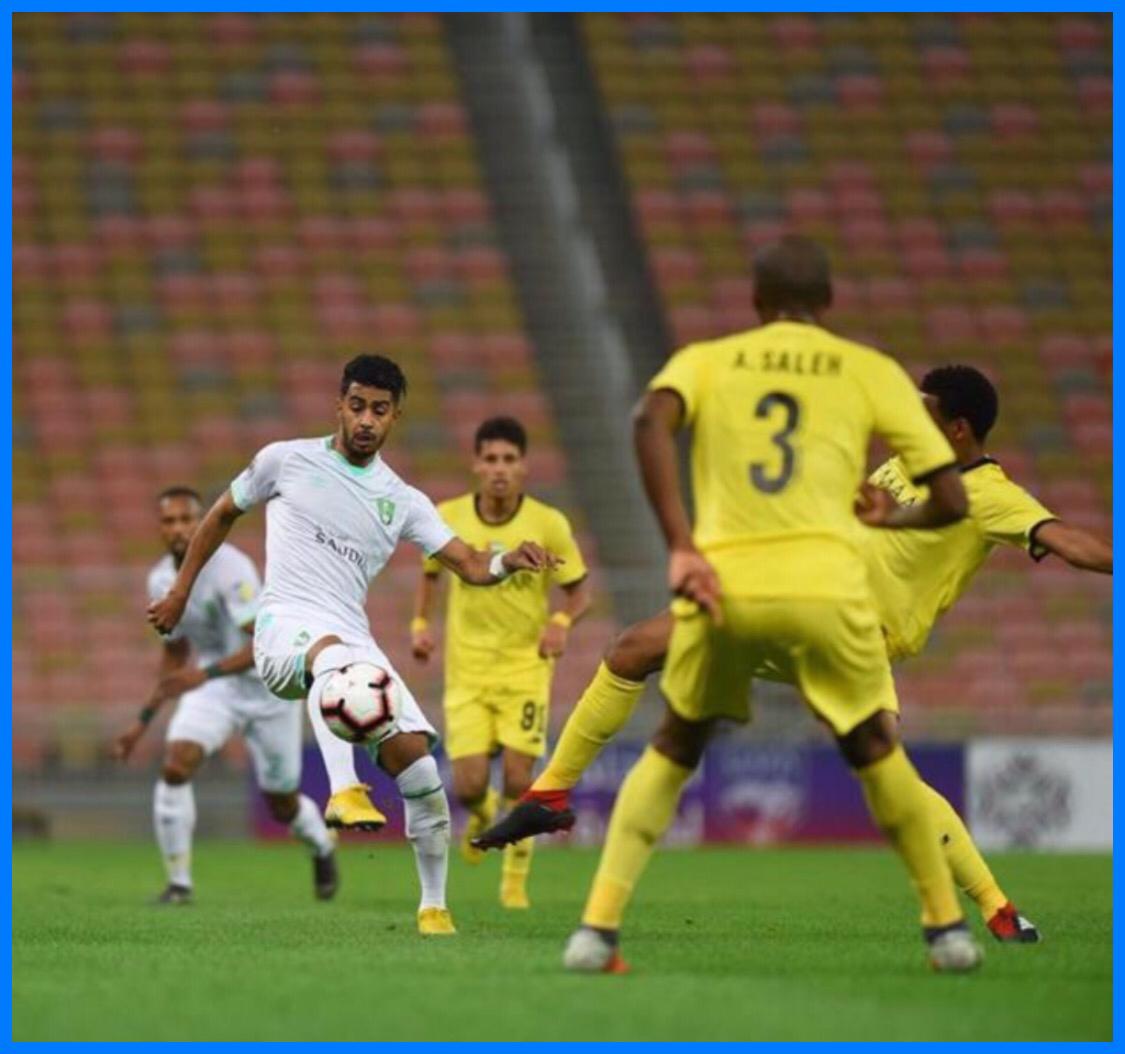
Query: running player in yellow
[915, 576]
[781, 420]
[501, 643]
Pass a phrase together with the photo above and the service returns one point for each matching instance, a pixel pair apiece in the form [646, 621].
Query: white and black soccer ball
[360, 703]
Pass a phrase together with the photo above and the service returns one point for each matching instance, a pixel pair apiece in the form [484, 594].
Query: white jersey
[223, 600]
[331, 527]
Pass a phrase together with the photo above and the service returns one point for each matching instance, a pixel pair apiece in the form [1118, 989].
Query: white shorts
[214, 712]
[281, 643]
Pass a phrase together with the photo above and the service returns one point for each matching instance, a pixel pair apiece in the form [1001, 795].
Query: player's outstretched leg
[974, 876]
[348, 806]
[300, 814]
[602, 711]
[406, 757]
[899, 804]
[645, 807]
[173, 813]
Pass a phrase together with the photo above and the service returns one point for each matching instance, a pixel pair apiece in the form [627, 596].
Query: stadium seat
[213, 229]
[916, 149]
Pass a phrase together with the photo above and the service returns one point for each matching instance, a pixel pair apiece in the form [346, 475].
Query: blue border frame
[6, 396]
[820, 6]
[1118, 531]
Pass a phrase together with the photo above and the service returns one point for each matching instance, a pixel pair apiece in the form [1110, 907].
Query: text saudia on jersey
[348, 552]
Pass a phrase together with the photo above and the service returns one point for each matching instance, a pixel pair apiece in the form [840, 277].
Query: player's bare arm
[656, 419]
[186, 678]
[1077, 546]
[422, 641]
[947, 503]
[173, 658]
[479, 567]
[556, 633]
[165, 614]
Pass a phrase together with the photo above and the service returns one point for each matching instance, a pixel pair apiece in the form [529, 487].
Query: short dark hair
[962, 391]
[507, 428]
[179, 490]
[792, 274]
[374, 371]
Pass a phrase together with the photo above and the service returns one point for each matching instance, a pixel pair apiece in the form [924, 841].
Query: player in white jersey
[220, 695]
[334, 514]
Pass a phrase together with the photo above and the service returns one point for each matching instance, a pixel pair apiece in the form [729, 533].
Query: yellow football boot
[352, 810]
[436, 922]
[479, 821]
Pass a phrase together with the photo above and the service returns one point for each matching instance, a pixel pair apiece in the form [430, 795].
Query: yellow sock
[601, 712]
[900, 805]
[515, 867]
[483, 811]
[970, 872]
[645, 807]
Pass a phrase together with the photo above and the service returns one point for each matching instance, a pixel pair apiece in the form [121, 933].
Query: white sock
[338, 756]
[427, 827]
[308, 825]
[173, 814]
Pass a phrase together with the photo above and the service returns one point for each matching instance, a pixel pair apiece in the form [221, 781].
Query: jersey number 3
[772, 484]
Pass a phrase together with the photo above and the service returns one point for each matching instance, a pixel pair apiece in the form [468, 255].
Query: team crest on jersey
[245, 592]
[386, 509]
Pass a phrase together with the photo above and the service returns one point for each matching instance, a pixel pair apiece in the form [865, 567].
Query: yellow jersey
[916, 575]
[782, 416]
[492, 632]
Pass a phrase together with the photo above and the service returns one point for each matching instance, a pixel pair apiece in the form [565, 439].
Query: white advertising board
[1054, 794]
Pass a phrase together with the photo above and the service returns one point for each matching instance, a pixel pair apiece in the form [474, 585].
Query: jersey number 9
[772, 484]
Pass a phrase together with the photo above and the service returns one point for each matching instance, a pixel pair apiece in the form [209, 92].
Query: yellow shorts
[831, 650]
[478, 720]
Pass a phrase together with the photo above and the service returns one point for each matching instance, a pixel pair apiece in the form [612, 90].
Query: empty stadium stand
[211, 214]
[958, 167]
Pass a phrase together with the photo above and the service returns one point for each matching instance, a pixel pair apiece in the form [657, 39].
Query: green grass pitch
[724, 944]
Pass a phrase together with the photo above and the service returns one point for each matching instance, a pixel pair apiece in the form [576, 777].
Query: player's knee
[870, 741]
[283, 807]
[680, 741]
[180, 762]
[516, 786]
[400, 751]
[517, 772]
[174, 774]
[469, 789]
[326, 655]
[638, 650]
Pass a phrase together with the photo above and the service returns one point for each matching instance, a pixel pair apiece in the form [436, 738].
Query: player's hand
[164, 615]
[874, 506]
[529, 556]
[553, 642]
[179, 681]
[422, 644]
[691, 576]
[124, 743]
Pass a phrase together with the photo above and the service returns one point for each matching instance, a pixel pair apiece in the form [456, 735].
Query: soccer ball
[360, 703]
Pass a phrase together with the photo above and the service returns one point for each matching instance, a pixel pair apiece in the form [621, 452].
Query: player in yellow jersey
[915, 577]
[781, 420]
[500, 644]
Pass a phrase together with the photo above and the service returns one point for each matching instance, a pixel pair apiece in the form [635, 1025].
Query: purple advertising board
[749, 793]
